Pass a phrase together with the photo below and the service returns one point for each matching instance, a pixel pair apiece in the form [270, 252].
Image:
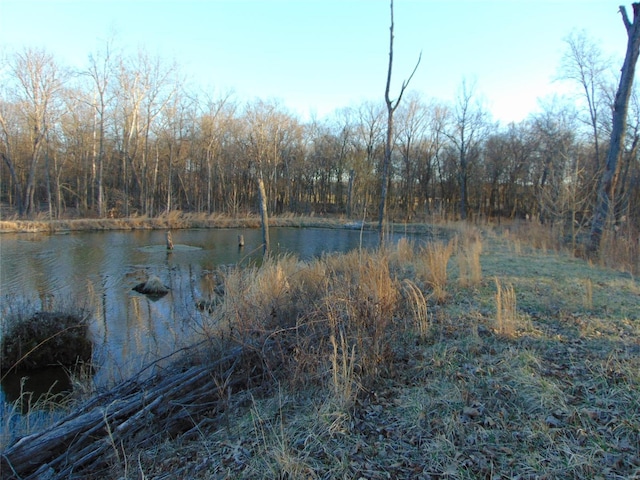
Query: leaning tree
[619, 126]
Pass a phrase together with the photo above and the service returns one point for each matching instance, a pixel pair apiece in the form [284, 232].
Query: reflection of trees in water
[99, 270]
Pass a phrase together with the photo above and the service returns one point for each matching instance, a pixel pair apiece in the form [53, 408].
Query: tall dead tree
[264, 217]
[391, 108]
[619, 126]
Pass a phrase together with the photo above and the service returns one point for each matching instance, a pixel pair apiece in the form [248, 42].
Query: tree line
[125, 135]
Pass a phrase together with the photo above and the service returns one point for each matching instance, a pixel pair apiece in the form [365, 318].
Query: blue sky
[319, 55]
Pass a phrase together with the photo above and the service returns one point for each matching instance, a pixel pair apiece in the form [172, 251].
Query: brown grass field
[490, 355]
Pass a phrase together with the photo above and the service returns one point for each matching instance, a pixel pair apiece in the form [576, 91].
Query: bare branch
[405, 84]
[386, 91]
[625, 17]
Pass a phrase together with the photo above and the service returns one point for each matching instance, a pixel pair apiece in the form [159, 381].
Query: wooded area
[124, 135]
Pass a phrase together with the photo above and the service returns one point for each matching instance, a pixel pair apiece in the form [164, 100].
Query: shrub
[45, 338]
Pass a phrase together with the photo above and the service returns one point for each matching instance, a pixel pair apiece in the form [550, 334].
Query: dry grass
[588, 293]
[172, 220]
[431, 267]
[366, 379]
[506, 312]
[344, 381]
[469, 267]
[419, 309]
[622, 250]
[30, 414]
[404, 252]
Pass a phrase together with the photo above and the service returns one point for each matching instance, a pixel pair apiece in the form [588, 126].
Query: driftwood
[134, 413]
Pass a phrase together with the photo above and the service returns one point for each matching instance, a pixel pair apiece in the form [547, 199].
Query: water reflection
[99, 269]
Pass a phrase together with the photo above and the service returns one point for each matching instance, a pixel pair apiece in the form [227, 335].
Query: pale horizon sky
[316, 56]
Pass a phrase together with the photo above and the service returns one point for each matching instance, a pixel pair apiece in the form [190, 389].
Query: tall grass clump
[332, 318]
[31, 413]
[257, 298]
[587, 300]
[431, 267]
[364, 298]
[404, 251]
[506, 312]
[418, 307]
[344, 382]
[470, 249]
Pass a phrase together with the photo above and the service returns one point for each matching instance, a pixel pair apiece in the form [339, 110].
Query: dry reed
[469, 267]
[418, 305]
[587, 300]
[506, 312]
[431, 267]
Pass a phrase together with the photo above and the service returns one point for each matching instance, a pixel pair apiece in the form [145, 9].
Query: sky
[317, 56]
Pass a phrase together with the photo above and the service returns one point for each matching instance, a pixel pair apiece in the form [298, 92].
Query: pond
[98, 270]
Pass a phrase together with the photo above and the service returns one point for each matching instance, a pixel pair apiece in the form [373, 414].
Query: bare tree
[466, 135]
[619, 125]
[100, 71]
[555, 130]
[265, 131]
[392, 105]
[412, 145]
[368, 140]
[583, 63]
[6, 152]
[214, 122]
[39, 80]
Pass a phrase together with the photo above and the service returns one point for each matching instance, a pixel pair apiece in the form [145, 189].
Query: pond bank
[187, 221]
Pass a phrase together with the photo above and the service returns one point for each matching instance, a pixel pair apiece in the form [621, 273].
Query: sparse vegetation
[353, 366]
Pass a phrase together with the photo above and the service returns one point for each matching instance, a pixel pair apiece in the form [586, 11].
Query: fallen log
[87, 439]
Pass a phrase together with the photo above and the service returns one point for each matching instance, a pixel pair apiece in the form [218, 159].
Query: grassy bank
[483, 357]
[174, 220]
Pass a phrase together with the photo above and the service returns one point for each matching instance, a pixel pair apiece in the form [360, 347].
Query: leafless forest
[127, 135]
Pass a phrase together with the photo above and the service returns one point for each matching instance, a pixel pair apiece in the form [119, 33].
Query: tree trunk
[462, 180]
[263, 214]
[391, 107]
[100, 167]
[16, 182]
[29, 193]
[352, 177]
[619, 126]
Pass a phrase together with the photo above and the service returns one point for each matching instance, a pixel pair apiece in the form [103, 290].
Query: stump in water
[169, 241]
[153, 286]
[241, 240]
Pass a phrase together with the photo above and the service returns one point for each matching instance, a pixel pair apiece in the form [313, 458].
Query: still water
[98, 270]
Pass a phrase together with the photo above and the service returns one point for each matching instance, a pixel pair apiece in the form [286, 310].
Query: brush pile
[44, 339]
